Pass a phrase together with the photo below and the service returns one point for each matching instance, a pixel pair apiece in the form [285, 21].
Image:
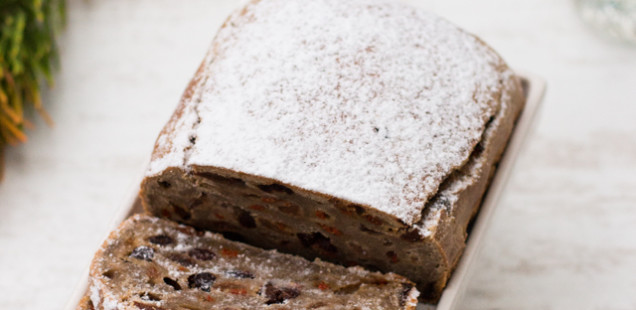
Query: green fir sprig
[28, 55]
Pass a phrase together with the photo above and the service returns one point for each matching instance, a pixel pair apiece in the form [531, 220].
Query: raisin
[317, 240]
[161, 239]
[234, 236]
[181, 259]
[202, 281]
[411, 235]
[175, 285]
[277, 295]
[109, 274]
[240, 274]
[359, 209]
[147, 306]
[164, 184]
[392, 256]
[143, 252]
[276, 188]
[246, 220]
[201, 254]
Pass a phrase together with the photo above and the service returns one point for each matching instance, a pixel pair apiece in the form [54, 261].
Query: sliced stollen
[155, 264]
[361, 132]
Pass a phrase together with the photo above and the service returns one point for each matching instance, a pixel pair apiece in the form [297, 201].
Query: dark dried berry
[201, 254]
[246, 220]
[143, 252]
[172, 283]
[317, 240]
[392, 256]
[161, 239]
[277, 295]
[359, 209]
[411, 235]
[276, 188]
[202, 281]
[147, 306]
[181, 259]
[164, 184]
[240, 274]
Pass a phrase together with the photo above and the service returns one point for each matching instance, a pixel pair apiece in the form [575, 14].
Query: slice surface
[149, 263]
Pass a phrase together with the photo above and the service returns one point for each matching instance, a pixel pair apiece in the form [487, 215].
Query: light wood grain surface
[563, 237]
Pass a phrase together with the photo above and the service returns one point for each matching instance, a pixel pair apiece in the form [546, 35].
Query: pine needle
[28, 55]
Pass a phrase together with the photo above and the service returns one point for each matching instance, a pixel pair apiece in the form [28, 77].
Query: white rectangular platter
[534, 88]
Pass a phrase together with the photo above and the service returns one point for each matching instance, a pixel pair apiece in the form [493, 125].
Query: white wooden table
[564, 236]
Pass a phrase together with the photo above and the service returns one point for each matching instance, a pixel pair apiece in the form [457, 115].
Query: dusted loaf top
[370, 101]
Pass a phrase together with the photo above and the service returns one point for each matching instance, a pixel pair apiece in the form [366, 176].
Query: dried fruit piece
[202, 281]
[172, 283]
[276, 188]
[201, 254]
[246, 220]
[181, 259]
[323, 286]
[392, 256]
[229, 253]
[143, 253]
[277, 295]
[317, 241]
[332, 230]
[161, 239]
[322, 215]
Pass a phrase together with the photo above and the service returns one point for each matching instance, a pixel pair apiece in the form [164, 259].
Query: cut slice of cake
[155, 264]
[362, 132]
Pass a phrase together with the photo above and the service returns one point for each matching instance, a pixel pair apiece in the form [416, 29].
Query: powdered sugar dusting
[368, 101]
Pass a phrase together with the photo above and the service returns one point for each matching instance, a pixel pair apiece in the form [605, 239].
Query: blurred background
[564, 234]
